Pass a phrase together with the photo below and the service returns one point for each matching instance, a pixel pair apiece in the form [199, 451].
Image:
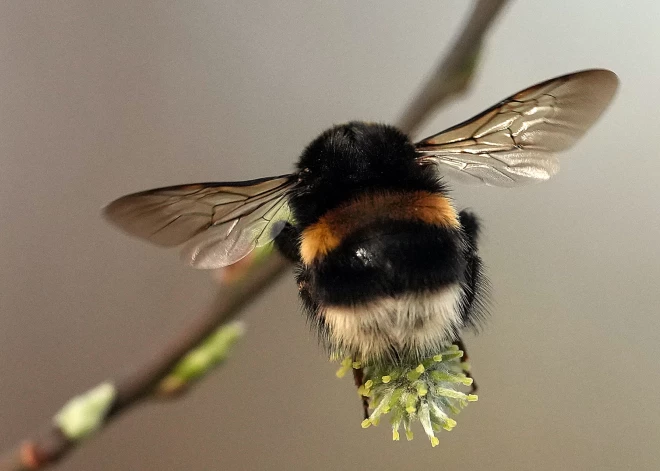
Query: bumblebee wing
[219, 222]
[513, 142]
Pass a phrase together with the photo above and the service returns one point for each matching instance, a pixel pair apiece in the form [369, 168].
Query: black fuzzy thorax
[351, 159]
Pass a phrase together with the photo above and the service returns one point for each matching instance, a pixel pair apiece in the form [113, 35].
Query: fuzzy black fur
[405, 257]
[475, 285]
[389, 258]
[353, 158]
[288, 243]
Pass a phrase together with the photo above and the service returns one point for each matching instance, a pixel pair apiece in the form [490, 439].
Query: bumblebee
[387, 267]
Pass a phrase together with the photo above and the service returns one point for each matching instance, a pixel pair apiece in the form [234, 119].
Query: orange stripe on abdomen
[328, 232]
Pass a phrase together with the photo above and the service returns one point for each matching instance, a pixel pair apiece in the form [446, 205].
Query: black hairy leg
[466, 358]
[471, 226]
[475, 285]
[288, 243]
[358, 377]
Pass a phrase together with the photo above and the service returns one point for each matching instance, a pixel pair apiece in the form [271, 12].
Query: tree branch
[453, 74]
[451, 78]
[51, 444]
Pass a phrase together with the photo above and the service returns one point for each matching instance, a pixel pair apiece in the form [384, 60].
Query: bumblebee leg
[358, 377]
[461, 345]
[471, 225]
[475, 284]
[288, 243]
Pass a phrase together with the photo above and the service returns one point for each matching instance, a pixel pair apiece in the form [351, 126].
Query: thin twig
[50, 445]
[453, 74]
[450, 78]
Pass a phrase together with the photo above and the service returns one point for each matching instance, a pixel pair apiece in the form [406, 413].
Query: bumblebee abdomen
[383, 244]
[385, 275]
[407, 327]
[390, 289]
[389, 258]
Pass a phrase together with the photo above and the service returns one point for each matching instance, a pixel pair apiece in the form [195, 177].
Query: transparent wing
[513, 142]
[219, 222]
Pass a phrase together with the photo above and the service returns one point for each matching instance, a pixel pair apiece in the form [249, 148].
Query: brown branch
[453, 74]
[50, 445]
[450, 78]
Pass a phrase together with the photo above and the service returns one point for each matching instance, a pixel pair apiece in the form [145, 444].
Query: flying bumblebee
[387, 268]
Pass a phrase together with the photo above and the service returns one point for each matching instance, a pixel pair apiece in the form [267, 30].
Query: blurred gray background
[98, 99]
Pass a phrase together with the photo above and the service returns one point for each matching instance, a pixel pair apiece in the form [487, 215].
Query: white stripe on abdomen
[411, 324]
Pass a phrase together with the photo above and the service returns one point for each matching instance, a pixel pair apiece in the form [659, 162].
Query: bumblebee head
[352, 158]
